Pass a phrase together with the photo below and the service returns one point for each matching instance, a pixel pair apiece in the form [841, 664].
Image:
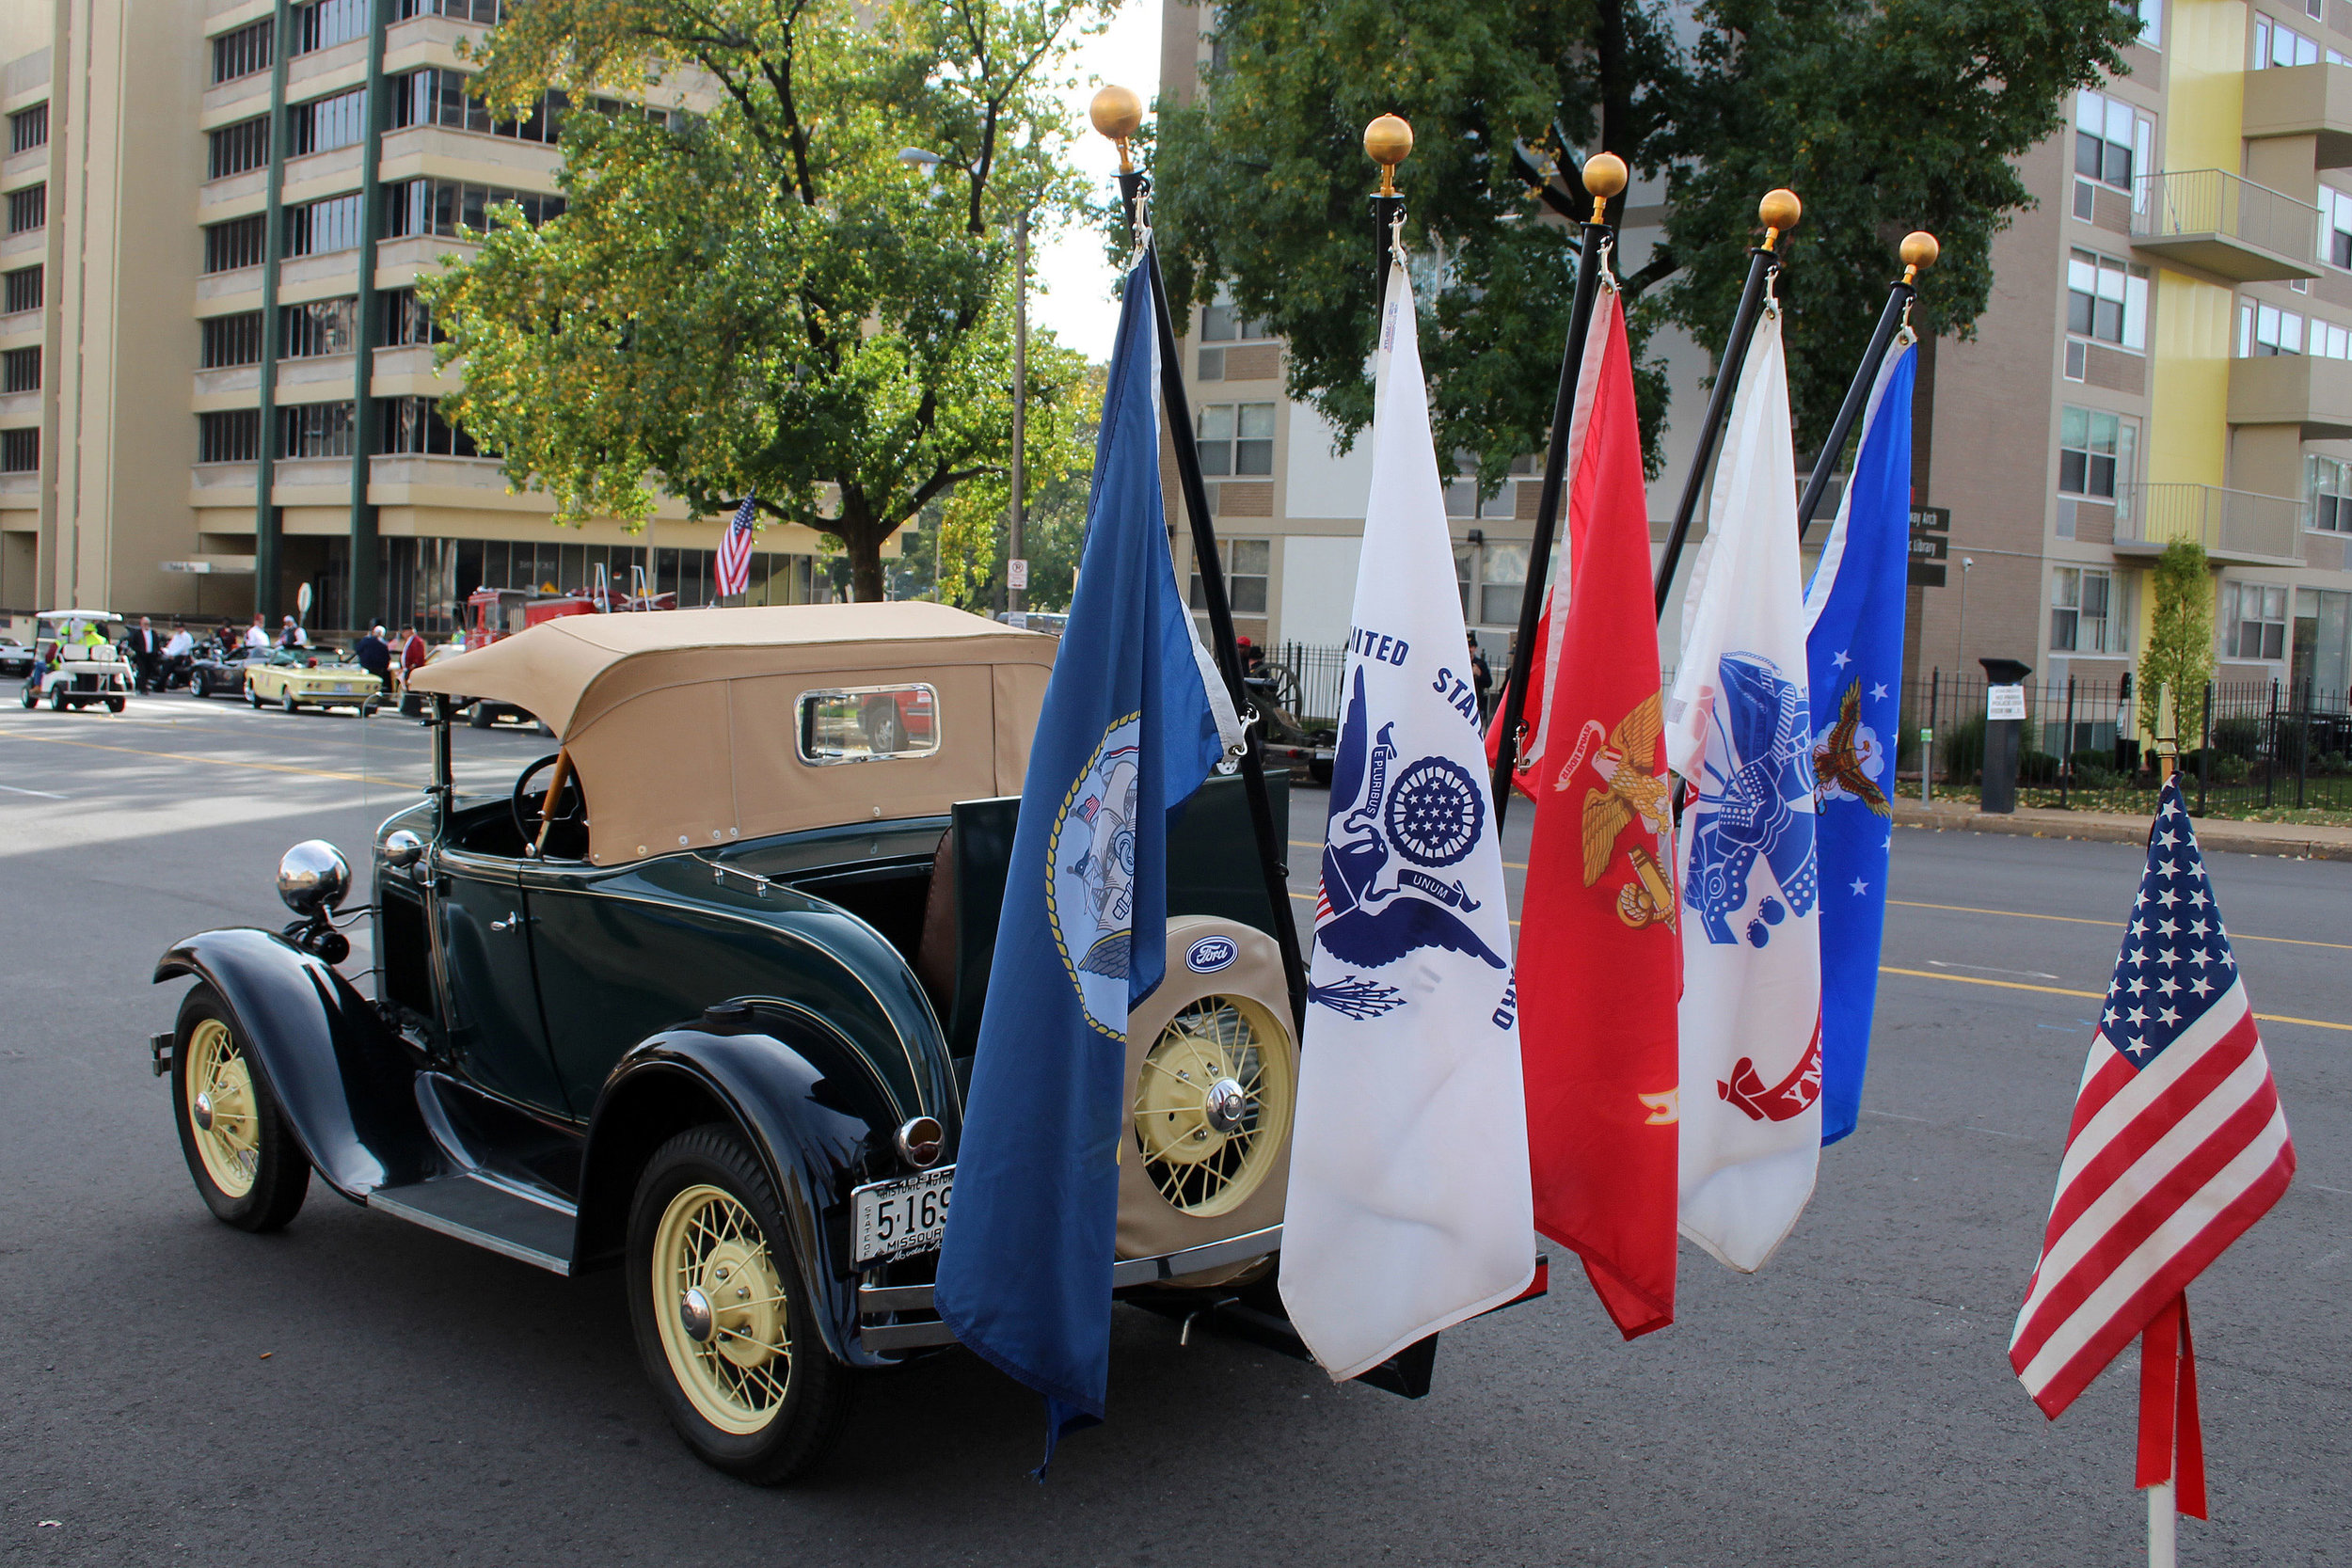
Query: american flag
[735, 552]
[2178, 1144]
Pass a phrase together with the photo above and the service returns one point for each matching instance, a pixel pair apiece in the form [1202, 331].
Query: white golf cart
[71, 670]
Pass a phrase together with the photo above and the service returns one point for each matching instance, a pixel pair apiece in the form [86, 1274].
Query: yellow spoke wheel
[718, 1300]
[221, 1108]
[1213, 1104]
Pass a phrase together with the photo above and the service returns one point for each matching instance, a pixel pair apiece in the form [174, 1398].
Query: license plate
[900, 1218]
[343, 688]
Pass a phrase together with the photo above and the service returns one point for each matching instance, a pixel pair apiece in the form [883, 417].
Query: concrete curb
[2284, 839]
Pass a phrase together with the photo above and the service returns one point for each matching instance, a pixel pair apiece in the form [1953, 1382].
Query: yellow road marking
[2093, 995]
[2110, 925]
[217, 762]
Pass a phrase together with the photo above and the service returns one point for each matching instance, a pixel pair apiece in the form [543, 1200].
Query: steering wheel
[564, 819]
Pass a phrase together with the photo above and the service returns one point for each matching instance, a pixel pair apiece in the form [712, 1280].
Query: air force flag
[1409, 1207]
[1133, 722]
[1854, 651]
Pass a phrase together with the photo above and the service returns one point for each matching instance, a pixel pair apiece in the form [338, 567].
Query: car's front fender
[343, 1079]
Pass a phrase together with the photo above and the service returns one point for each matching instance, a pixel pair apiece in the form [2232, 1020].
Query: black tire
[30, 696]
[481, 718]
[286, 704]
[817, 1389]
[203, 685]
[56, 699]
[281, 1172]
[1319, 769]
[114, 705]
[253, 697]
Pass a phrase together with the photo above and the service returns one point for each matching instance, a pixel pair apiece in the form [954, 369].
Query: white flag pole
[2163, 1524]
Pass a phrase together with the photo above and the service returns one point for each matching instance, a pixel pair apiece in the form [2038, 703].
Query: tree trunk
[866, 572]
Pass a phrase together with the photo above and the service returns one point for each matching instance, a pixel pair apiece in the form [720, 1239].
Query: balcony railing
[2229, 523]
[2213, 220]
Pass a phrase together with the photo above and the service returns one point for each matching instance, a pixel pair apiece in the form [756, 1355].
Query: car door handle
[513, 922]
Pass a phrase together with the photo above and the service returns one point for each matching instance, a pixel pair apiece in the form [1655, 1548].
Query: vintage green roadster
[698, 996]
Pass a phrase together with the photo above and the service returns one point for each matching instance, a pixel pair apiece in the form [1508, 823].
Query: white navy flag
[1409, 1207]
[1739, 732]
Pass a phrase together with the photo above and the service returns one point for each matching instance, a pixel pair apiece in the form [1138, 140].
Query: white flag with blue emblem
[1739, 732]
[1409, 1206]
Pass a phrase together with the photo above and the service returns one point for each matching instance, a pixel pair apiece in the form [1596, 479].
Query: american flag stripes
[734, 553]
[2177, 1143]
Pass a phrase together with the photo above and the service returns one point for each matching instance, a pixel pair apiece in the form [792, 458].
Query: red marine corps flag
[1600, 957]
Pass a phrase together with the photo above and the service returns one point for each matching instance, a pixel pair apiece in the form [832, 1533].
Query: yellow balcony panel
[2303, 101]
[2217, 223]
[2238, 528]
[2294, 388]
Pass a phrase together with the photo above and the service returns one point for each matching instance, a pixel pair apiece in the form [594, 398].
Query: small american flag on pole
[734, 553]
[2178, 1144]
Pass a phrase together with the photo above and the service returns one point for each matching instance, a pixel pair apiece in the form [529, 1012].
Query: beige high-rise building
[193, 310]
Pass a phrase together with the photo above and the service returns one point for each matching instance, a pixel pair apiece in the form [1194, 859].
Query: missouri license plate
[900, 1218]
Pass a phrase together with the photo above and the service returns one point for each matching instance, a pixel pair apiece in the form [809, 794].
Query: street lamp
[1960, 648]
[915, 157]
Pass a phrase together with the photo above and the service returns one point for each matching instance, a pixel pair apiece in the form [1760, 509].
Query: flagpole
[1387, 141]
[1116, 113]
[1919, 252]
[1604, 178]
[1779, 210]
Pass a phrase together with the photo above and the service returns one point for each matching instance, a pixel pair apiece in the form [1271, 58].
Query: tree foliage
[766, 298]
[1883, 115]
[969, 543]
[2179, 653]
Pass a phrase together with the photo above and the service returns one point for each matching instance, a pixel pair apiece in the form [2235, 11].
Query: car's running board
[491, 1215]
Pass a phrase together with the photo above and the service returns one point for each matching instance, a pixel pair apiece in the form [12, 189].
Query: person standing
[146, 650]
[257, 635]
[291, 635]
[1482, 679]
[374, 655]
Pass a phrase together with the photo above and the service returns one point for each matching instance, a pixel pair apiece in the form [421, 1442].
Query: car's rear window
[868, 723]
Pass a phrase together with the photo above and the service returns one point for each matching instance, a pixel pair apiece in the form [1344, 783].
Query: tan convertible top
[682, 723]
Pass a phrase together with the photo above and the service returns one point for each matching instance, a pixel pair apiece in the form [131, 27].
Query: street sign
[2004, 701]
[1931, 545]
[1017, 572]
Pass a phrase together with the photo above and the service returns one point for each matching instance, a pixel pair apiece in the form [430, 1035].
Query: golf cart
[71, 670]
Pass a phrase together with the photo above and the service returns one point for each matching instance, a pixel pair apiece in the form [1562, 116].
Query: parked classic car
[71, 672]
[296, 678]
[15, 657]
[217, 674]
[699, 997]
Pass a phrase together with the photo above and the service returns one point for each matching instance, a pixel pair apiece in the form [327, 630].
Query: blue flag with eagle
[1134, 720]
[1855, 656]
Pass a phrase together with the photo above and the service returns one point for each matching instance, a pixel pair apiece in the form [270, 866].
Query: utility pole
[1016, 565]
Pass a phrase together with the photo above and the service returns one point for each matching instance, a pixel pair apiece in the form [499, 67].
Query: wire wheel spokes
[1212, 1102]
[719, 1301]
[221, 1109]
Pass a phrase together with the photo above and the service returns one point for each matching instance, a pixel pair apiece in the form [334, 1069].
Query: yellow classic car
[296, 678]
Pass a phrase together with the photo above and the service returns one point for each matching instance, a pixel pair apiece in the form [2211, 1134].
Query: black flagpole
[1762, 262]
[1223, 645]
[1919, 250]
[1604, 178]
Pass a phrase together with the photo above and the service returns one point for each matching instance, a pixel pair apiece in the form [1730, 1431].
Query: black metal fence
[1308, 678]
[2244, 744]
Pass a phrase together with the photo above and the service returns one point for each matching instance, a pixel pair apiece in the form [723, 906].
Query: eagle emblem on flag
[1849, 757]
[1629, 793]
[1092, 896]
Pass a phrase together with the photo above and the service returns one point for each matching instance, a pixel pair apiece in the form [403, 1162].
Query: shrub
[2240, 736]
[2037, 768]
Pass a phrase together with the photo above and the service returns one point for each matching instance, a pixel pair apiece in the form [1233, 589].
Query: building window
[2253, 620]
[415, 425]
[232, 340]
[2107, 300]
[321, 327]
[20, 291]
[483, 11]
[1502, 583]
[2327, 341]
[1246, 565]
[2323, 642]
[1222, 322]
[325, 123]
[28, 128]
[2329, 484]
[1236, 439]
[321, 227]
[314, 430]
[403, 320]
[238, 148]
[325, 22]
[442, 206]
[2264, 330]
[2094, 451]
[231, 435]
[242, 52]
[2151, 14]
[1462, 500]
[28, 209]
[2078, 610]
[20, 451]
[19, 370]
[438, 97]
[2113, 142]
[236, 244]
[2277, 44]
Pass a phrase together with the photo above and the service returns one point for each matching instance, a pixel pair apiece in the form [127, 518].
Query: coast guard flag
[1409, 1207]
[1133, 722]
[1599, 957]
[1740, 731]
[1854, 662]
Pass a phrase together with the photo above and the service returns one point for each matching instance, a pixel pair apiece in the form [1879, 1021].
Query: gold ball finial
[1919, 253]
[1779, 212]
[1605, 175]
[1387, 141]
[1117, 113]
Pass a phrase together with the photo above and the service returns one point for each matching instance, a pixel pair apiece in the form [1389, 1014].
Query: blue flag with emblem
[1134, 720]
[1855, 655]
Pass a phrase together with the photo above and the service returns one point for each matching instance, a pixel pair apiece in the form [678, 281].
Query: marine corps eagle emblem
[1629, 793]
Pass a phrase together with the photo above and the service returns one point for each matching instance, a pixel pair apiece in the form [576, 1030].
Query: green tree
[1883, 115]
[970, 538]
[2179, 652]
[767, 298]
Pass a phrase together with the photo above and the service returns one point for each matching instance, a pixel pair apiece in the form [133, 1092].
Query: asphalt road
[355, 1391]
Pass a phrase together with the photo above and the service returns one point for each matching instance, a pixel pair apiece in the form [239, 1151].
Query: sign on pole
[1931, 545]
[2004, 701]
[1017, 572]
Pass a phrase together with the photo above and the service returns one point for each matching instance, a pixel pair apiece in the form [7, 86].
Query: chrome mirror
[313, 878]
[401, 849]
